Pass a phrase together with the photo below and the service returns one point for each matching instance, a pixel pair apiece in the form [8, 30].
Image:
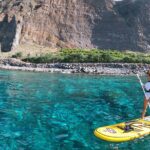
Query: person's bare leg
[144, 108]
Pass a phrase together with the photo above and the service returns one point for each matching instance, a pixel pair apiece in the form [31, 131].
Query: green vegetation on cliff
[93, 56]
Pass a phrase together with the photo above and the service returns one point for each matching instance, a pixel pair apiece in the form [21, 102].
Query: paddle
[142, 88]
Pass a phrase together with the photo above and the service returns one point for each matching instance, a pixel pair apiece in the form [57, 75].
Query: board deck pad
[125, 131]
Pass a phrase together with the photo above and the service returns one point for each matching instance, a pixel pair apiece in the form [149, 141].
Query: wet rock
[90, 68]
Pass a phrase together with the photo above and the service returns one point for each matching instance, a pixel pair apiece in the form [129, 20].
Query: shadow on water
[7, 33]
[115, 107]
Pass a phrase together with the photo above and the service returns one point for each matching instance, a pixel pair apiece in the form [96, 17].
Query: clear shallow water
[42, 111]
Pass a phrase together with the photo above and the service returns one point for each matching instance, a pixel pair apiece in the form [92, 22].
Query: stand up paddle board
[125, 131]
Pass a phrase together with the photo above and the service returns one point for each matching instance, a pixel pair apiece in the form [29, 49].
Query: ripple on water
[58, 111]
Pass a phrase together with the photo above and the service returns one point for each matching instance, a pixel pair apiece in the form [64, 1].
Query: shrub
[106, 57]
[17, 55]
[94, 55]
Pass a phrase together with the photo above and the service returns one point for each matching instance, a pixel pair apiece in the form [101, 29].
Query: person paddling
[147, 94]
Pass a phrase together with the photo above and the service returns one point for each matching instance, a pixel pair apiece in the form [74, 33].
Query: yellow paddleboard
[125, 131]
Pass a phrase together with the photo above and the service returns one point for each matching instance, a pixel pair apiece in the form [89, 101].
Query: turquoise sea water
[42, 111]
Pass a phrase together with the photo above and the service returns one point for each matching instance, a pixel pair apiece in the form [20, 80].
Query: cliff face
[76, 24]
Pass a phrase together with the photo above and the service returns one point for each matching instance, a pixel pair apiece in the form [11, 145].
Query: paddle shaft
[141, 84]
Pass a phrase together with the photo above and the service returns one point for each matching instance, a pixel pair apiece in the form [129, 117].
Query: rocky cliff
[102, 24]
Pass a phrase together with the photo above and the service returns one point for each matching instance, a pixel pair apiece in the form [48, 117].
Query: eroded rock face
[76, 24]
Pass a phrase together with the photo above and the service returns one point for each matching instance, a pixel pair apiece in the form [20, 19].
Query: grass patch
[91, 56]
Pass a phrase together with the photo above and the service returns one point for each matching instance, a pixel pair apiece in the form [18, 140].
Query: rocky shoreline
[87, 68]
